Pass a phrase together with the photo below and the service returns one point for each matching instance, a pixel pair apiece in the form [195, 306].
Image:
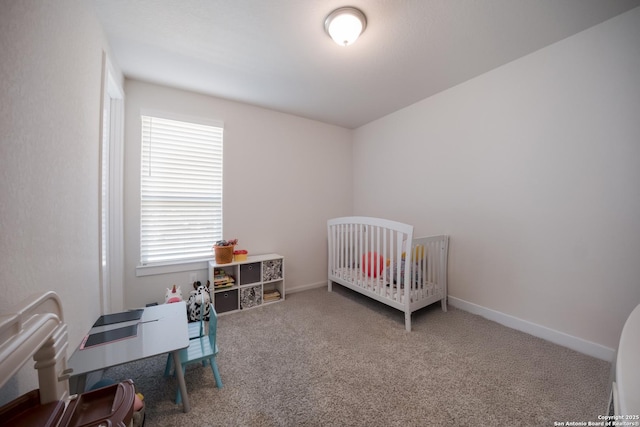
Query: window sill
[177, 267]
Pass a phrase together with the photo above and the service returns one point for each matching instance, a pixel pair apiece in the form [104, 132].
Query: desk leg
[183, 387]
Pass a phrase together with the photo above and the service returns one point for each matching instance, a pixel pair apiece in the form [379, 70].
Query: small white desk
[162, 329]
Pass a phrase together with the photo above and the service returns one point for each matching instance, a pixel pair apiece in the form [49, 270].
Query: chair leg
[216, 373]
[167, 368]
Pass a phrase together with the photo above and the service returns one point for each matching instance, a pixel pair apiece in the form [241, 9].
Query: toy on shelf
[240, 255]
[221, 279]
[223, 250]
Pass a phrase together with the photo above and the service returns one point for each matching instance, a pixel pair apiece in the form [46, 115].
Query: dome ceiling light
[344, 25]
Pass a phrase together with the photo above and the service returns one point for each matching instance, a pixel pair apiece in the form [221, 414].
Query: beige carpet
[340, 359]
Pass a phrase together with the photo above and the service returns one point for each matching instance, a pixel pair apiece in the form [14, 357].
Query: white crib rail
[37, 330]
[356, 245]
[429, 259]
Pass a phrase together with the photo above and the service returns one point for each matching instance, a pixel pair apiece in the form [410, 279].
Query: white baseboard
[305, 287]
[578, 344]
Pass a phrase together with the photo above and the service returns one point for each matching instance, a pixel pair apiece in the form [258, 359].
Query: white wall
[284, 176]
[50, 84]
[534, 170]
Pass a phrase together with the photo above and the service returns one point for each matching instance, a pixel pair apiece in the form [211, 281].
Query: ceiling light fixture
[344, 25]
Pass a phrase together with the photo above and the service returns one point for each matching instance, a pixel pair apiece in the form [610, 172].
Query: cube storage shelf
[257, 281]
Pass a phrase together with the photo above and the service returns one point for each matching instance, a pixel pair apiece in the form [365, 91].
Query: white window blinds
[180, 190]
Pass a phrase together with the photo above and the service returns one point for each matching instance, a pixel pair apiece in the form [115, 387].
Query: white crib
[370, 256]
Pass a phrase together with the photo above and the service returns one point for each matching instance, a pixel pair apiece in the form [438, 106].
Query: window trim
[172, 267]
[181, 117]
[111, 237]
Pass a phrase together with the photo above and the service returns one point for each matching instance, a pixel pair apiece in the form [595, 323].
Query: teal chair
[196, 330]
[200, 350]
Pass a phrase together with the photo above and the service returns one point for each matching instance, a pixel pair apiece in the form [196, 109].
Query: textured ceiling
[275, 53]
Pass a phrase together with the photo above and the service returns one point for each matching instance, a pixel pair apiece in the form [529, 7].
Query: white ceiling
[275, 53]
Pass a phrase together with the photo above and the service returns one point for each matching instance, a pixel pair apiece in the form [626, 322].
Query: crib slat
[385, 272]
[376, 282]
[399, 269]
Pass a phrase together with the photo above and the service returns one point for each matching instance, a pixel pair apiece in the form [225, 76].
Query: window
[180, 190]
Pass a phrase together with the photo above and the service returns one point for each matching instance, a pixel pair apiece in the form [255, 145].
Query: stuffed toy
[173, 295]
[198, 303]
